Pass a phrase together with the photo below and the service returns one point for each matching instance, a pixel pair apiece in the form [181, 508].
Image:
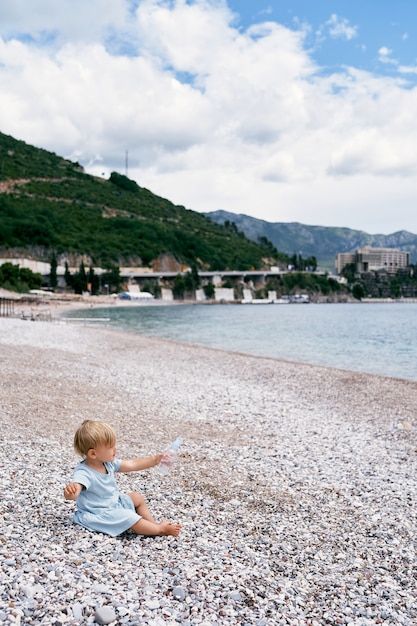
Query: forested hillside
[49, 205]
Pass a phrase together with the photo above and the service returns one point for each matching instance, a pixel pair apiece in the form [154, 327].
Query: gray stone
[27, 590]
[105, 615]
[77, 610]
[99, 588]
[179, 593]
[235, 595]
[152, 604]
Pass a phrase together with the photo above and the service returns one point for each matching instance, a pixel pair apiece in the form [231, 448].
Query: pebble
[236, 596]
[101, 588]
[77, 611]
[105, 615]
[297, 499]
[179, 593]
[152, 604]
[27, 591]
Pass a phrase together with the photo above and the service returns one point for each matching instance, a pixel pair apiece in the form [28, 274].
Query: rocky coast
[296, 486]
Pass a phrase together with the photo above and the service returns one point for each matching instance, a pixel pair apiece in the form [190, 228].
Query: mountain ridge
[323, 242]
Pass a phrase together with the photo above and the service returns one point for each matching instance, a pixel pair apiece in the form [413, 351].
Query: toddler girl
[100, 505]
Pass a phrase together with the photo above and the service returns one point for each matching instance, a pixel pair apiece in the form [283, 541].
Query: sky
[284, 110]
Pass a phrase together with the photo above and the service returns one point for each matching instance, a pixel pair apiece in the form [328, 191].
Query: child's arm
[72, 491]
[141, 463]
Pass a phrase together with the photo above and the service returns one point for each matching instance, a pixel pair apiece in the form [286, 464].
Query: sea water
[376, 338]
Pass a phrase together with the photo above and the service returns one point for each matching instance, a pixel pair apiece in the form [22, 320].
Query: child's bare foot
[168, 528]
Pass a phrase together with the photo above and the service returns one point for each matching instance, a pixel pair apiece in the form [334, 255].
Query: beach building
[369, 259]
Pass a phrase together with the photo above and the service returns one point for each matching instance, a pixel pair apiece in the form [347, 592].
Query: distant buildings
[368, 259]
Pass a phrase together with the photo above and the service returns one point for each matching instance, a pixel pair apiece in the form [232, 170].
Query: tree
[14, 278]
[179, 287]
[123, 182]
[196, 277]
[53, 277]
[68, 276]
[209, 290]
[9, 275]
[358, 291]
[191, 280]
[231, 227]
[349, 272]
[32, 279]
[112, 278]
[268, 245]
[93, 282]
[80, 280]
[311, 263]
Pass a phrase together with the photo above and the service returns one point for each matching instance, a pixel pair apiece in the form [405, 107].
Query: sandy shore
[55, 307]
[296, 485]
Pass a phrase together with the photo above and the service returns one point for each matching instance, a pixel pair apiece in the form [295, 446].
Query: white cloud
[340, 28]
[78, 20]
[212, 117]
[407, 69]
[384, 55]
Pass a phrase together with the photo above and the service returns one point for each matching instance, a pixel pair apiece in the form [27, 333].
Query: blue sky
[345, 32]
[288, 110]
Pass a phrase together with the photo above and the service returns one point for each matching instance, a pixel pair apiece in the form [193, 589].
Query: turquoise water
[366, 337]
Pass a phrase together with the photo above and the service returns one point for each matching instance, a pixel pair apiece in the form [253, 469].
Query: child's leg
[147, 525]
[141, 506]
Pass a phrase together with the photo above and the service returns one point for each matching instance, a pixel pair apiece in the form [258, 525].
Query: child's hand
[157, 459]
[72, 491]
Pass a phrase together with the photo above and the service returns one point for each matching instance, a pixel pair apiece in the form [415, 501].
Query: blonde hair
[92, 433]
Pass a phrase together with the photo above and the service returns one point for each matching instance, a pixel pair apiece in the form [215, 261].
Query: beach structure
[6, 307]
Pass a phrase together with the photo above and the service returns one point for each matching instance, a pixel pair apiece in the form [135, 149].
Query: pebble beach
[296, 486]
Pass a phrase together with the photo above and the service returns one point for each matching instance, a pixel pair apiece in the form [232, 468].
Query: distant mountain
[323, 242]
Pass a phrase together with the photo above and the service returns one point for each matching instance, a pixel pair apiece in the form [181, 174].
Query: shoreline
[61, 310]
[192, 319]
[61, 302]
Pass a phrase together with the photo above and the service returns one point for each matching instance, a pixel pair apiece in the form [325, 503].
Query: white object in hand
[169, 458]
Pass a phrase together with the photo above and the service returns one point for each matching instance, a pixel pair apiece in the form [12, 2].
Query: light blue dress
[100, 506]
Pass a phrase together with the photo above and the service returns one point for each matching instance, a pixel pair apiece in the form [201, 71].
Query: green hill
[50, 205]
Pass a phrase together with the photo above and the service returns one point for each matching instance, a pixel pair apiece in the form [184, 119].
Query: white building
[368, 259]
